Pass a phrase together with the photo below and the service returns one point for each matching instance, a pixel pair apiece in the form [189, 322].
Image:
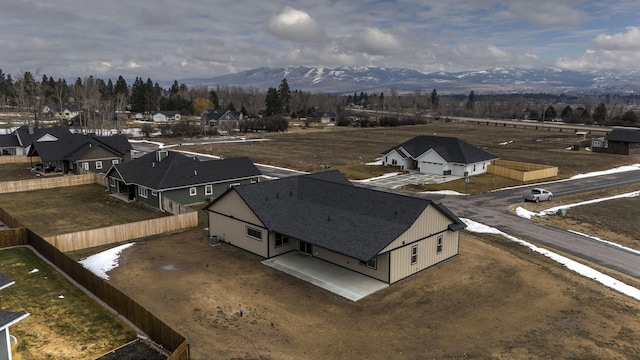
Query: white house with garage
[438, 155]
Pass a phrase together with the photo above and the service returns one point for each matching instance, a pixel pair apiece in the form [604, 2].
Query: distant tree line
[102, 98]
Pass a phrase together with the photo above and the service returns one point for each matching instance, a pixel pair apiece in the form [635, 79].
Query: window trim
[284, 240]
[142, 192]
[115, 162]
[193, 191]
[85, 166]
[371, 263]
[233, 185]
[439, 245]
[208, 189]
[414, 254]
[99, 165]
[112, 182]
[257, 233]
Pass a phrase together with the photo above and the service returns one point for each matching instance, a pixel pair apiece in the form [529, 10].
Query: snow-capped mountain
[500, 80]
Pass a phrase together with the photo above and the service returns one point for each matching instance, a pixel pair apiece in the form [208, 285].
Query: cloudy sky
[169, 39]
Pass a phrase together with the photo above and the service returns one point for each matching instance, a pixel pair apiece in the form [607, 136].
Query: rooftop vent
[161, 154]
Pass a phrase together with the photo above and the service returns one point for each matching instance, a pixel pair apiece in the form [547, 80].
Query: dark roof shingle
[449, 148]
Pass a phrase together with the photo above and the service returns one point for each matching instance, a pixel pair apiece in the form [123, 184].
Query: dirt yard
[495, 300]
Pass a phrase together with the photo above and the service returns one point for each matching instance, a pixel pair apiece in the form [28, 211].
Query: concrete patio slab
[343, 282]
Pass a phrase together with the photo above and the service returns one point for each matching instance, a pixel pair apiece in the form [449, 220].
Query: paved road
[492, 210]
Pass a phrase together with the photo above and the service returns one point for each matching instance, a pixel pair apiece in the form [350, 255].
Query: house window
[282, 239]
[234, 184]
[85, 165]
[394, 162]
[254, 233]
[112, 182]
[193, 191]
[439, 245]
[142, 192]
[98, 165]
[115, 161]
[414, 254]
[208, 189]
[371, 263]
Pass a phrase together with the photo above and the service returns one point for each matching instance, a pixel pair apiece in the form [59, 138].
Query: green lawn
[64, 323]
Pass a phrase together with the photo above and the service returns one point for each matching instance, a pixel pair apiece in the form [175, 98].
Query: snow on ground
[103, 262]
[572, 265]
[443, 192]
[610, 171]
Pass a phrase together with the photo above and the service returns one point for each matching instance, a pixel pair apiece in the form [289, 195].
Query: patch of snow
[375, 163]
[60, 296]
[524, 213]
[34, 271]
[610, 171]
[572, 265]
[103, 262]
[606, 242]
[443, 192]
[506, 142]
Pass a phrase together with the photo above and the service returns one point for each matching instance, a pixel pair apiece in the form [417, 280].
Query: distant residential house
[165, 116]
[186, 180]
[68, 112]
[438, 155]
[387, 236]
[621, 140]
[7, 319]
[324, 117]
[20, 140]
[78, 153]
[214, 117]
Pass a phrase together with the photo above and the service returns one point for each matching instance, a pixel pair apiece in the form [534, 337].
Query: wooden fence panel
[521, 171]
[17, 159]
[13, 237]
[123, 232]
[9, 220]
[48, 183]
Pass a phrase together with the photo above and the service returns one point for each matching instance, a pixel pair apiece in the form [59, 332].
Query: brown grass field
[496, 300]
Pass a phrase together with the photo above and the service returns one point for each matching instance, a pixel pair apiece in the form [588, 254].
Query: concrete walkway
[394, 182]
[338, 280]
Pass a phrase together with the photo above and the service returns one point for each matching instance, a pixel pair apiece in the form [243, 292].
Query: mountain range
[345, 80]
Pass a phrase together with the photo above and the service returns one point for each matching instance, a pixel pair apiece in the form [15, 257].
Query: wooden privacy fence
[49, 183]
[521, 171]
[16, 159]
[123, 232]
[143, 319]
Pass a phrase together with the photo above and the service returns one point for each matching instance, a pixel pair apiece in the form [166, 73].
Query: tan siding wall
[380, 273]
[275, 251]
[430, 222]
[401, 266]
[234, 230]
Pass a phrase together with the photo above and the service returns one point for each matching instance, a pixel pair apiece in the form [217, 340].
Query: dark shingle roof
[178, 171]
[5, 281]
[8, 318]
[450, 149]
[72, 147]
[9, 140]
[28, 134]
[624, 135]
[325, 209]
[217, 114]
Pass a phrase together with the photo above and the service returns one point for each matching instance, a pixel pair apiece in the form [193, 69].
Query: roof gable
[327, 210]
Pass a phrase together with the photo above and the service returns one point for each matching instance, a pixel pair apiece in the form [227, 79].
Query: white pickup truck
[537, 195]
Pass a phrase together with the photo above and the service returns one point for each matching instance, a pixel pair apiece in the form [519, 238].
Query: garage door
[428, 167]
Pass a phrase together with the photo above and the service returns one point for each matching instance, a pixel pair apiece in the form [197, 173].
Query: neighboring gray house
[438, 155]
[20, 140]
[324, 117]
[7, 318]
[387, 236]
[79, 154]
[186, 180]
[214, 117]
[621, 140]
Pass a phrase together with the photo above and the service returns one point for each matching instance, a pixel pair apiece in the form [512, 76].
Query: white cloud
[296, 25]
[617, 51]
[372, 41]
[548, 13]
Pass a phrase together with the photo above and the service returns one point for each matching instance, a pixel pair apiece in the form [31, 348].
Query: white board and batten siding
[430, 222]
[230, 224]
[381, 272]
